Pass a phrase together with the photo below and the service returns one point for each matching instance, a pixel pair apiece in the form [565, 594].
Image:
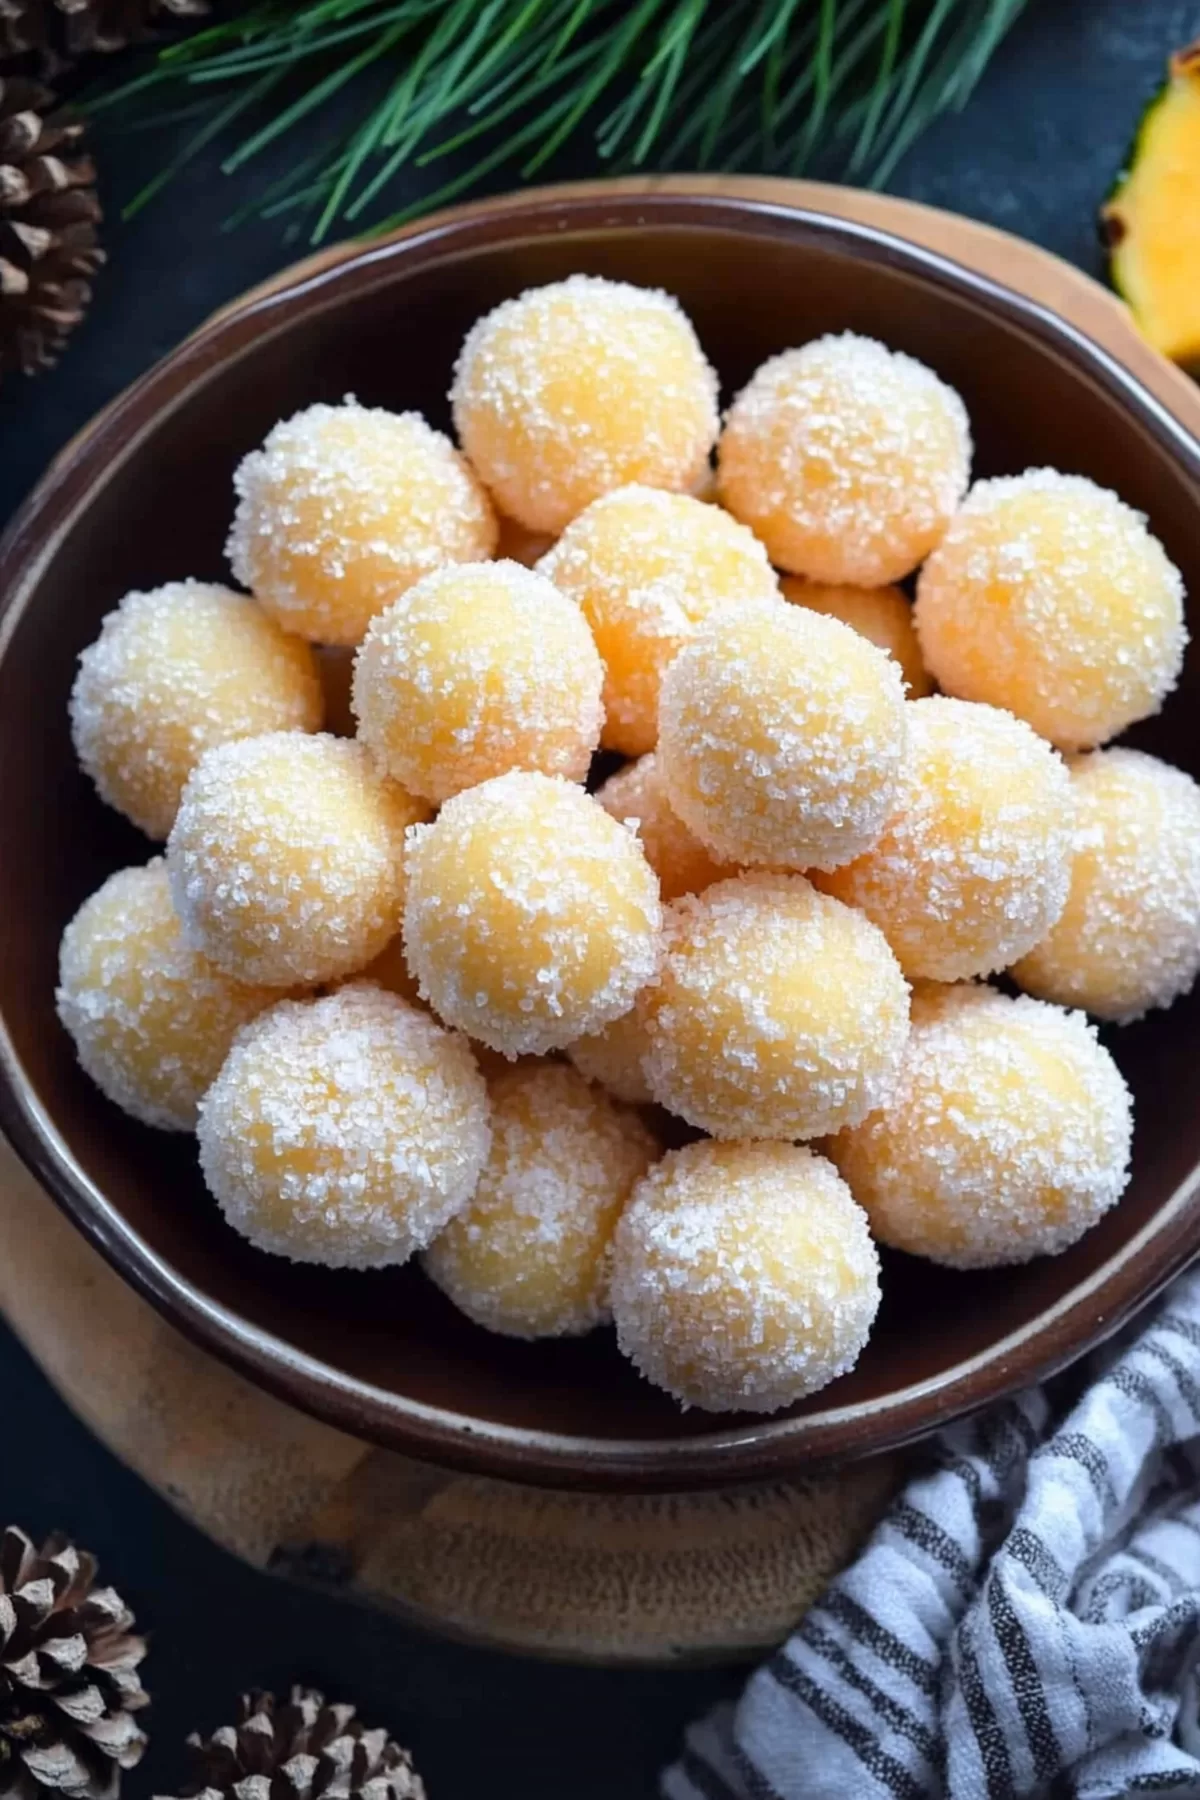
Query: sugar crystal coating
[343, 508]
[576, 388]
[973, 865]
[532, 918]
[1128, 938]
[883, 614]
[647, 567]
[678, 858]
[530, 1254]
[782, 737]
[476, 670]
[847, 459]
[174, 672]
[744, 1276]
[777, 1012]
[1007, 1136]
[1050, 597]
[615, 1057]
[151, 1020]
[287, 858]
[345, 1131]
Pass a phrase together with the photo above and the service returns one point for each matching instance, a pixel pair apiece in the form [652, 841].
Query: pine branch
[775, 84]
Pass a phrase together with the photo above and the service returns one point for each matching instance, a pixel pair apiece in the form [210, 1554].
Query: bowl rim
[758, 1447]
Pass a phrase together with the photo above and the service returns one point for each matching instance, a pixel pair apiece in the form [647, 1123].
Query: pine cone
[68, 1675]
[58, 32]
[48, 218]
[303, 1750]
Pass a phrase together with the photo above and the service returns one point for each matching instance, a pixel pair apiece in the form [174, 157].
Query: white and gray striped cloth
[1025, 1621]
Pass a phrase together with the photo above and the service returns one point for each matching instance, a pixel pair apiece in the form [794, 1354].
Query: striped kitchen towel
[1025, 1621]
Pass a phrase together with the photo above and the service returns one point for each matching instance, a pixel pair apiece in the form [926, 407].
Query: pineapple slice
[1151, 221]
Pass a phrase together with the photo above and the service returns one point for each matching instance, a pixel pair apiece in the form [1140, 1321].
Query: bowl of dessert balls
[601, 857]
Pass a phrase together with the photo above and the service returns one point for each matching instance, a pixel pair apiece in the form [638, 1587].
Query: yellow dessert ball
[335, 665]
[174, 672]
[516, 543]
[576, 388]
[883, 614]
[647, 567]
[1049, 596]
[777, 1013]
[345, 1131]
[287, 858]
[1128, 938]
[529, 1255]
[346, 506]
[615, 1057]
[151, 1020]
[1006, 1137]
[744, 1276]
[847, 459]
[474, 671]
[532, 918]
[973, 865]
[678, 858]
[782, 737]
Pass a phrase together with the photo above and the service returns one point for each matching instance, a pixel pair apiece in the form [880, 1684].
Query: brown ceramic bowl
[146, 496]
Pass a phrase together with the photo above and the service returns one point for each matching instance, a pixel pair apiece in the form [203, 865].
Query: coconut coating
[530, 1254]
[782, 737]
[647, 567]
[532, 918]
[579, 387]
[1050, 597]
[635, 794]
[973, 866]
[883, 614]
[1007, 1135]
[343, 508]
[744, 1276]
[1128, 938]
[615, 1057]
[287, 858]
[474, 671]
[847, 459]
[778, 1012]
[151, 1020]
[345, 1131]
[174, 672]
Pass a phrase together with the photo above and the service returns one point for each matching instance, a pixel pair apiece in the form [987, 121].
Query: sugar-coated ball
[647, 567]
[576, 388]
[1128, 938]
[676, 855]
[973, 865]
[782, 737]
[346, 506]
[847, 459]
[516, 543]
[287, 858]
[532, 918]
[777, 1013]
[615, 1057]
[1050, 597]
[744, 1276]
[345, 1131]
[530, 1254]
[174, 672]
[151, 1020]
[476, 670]
[883, 614]
[1007, 1135]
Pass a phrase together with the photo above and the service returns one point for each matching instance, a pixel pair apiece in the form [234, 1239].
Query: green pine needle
[773, 84]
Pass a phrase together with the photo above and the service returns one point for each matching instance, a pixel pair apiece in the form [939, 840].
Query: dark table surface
[1033, 153]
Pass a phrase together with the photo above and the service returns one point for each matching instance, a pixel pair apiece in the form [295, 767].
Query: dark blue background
[1033, 153]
